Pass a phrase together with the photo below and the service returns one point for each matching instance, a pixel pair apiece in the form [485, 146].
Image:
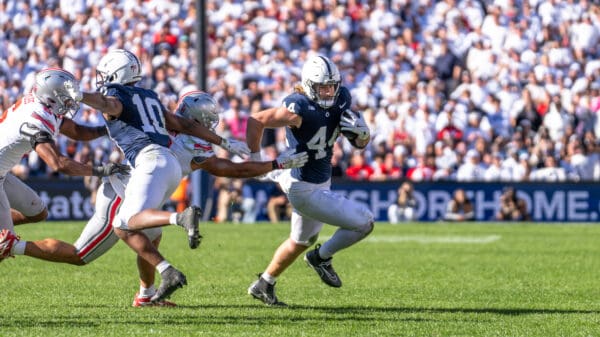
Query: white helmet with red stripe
[50, 89]
[200, 106]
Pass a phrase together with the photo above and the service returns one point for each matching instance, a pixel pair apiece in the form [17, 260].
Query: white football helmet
[49, 88]
[319, 71]
[118, 66]
[200, 106]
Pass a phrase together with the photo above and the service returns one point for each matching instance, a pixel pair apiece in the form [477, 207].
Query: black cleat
[323, 268]
[189, 219]
[172, 279]
[265, 292]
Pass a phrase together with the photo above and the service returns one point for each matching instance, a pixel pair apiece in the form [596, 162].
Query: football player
[33, 123]
[138, 123]
[193, 154]
[313, 115]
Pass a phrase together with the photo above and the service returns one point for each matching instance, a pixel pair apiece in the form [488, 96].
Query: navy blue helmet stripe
[328, 67]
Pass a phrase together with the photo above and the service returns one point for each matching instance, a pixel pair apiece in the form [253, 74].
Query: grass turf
[405, 280]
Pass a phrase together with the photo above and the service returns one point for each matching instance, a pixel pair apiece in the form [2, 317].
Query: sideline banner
[549, 202]
[67, 199]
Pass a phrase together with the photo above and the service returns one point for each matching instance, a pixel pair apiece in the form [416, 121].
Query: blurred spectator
[550, 171]
[471, 169]
[236, 120]
[164, 38]
[385, 168]
[459, 208]
[496, 171]
[278, 206]
[405, 207]
[450, 132]
[358, 168]
[512, 208]
[422, 171]
[249, 207]
[338, 164]
[229, 199]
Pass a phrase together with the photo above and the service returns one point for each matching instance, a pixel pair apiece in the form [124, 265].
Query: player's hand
[291, 159]
[110, 169]
[73, 90]
[235, 146]
[355, 123]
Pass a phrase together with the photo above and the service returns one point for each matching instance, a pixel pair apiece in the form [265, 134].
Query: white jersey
[187, 148]
[18, 124]
[98, 237]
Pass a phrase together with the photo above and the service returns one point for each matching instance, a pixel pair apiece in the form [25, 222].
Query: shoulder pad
[296, 103]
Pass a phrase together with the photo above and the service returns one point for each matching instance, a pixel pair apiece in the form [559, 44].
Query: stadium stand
[444, 85]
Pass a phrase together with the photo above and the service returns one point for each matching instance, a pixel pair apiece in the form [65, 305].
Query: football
[351, 136]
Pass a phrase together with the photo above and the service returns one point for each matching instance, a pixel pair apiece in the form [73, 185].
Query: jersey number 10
[149, 110]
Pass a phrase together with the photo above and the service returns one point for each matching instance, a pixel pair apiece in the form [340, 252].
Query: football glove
[353, 122]
[290, 159]
[235, 146]
[73, 90]
[110, 169]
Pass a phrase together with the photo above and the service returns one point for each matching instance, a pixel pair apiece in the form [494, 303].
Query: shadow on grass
[351, 310]
[258, 314]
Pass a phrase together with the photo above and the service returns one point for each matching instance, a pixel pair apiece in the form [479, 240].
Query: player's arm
[110, 106]
[43, 144]
[81, 132]
[59, 163]
[268, 118]
[226, 168]
[193, 128]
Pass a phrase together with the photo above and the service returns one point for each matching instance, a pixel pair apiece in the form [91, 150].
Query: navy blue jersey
[141, 123]
[316, 135]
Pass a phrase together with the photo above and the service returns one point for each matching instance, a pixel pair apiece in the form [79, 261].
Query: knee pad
[368, 228]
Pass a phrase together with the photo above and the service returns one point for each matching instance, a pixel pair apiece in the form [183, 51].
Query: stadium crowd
[460, 90]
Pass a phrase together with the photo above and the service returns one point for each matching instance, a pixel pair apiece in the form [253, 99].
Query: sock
[147, 292]
[19, 248]
[323, 256]
[162, 266]
[173, 219]
[268, 277]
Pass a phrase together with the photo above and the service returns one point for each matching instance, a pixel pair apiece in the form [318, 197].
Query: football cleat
[172, 279]
[140, 301]
[323, 268]
[189, 219]
[7, 241]
[265, 292]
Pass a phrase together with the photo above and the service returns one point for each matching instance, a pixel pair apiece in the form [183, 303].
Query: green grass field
[405, 280]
